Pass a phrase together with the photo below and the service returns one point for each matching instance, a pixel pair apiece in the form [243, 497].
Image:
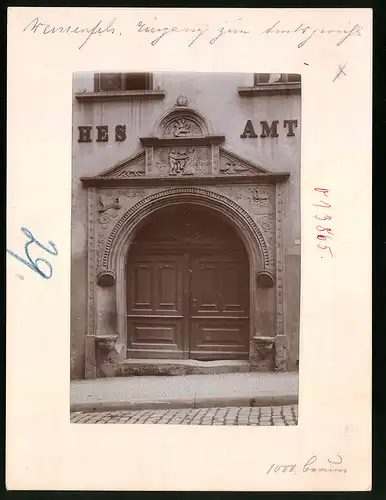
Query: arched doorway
[187, 287]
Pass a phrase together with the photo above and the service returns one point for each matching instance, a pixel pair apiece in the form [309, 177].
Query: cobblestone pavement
[266, 415]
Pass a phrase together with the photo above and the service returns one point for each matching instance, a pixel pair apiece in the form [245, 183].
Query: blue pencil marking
[34, 264]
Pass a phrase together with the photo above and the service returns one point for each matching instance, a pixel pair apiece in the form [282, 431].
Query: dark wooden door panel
[205, 286]
[219, 326]
[141, 284]
[155, 314]
[213, 339]
[235, 287]
[168, 285]
[156, 337]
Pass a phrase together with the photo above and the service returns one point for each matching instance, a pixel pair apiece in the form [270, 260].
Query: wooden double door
[191, 304]
[187, 288]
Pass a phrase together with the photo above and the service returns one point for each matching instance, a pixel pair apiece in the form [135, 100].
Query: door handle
[194, 303]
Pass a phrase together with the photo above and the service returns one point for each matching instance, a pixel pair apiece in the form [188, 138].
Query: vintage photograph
[186, 248]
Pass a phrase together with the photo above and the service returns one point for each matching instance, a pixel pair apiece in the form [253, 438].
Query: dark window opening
[294, 78]
[260, 78]
[109, 82]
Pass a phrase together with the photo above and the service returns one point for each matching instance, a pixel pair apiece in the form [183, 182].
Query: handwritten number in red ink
[324, 233]
[322, 190]
[326, 217]
[325, 205]
[323, 247]
[321, 228]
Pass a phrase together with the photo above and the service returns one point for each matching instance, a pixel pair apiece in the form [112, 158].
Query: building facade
[185, 220]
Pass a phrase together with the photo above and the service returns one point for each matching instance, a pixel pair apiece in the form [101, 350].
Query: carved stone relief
[261, 197]
[111, 204]
[258, 202]
[230, 167]
[92, 208]
[266, 222]
[257, 199]
[182, 161]
[133, 172]
[108, 210]
[149, 158]
[183, 127]
[130, 168]
[182, 100]
[279, 261]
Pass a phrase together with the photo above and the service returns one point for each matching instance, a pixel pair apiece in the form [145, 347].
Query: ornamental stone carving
[182, 100]
[151, 195]
[106, 278]
[232, 168]
[107, 206]
[106, 342]
[182, 161]
[182, 121]
[106, 218]
[266, 222]
[264, 347]
[183, 127]
[179, 159]
[265, 279]
[261, 198]
[132, 173]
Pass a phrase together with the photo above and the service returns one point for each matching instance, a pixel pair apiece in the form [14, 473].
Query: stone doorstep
[129, 367]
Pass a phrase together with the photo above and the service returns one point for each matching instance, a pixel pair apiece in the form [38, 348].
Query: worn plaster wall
[216, 97]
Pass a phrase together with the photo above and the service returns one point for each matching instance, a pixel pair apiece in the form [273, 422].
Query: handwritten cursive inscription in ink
[228, 31]
[311, 465]
[310, 32]
[197, 31]
[30, 262]
[324, 233]
[331, 466]
[201, 31]
[100, 28]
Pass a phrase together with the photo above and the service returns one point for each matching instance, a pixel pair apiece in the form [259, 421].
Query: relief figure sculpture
[178, 160]
[181, 128]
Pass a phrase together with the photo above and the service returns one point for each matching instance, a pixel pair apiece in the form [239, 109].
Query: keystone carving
[182, 100]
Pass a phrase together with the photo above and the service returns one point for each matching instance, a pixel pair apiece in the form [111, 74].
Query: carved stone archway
[124, 232]
[121, 198]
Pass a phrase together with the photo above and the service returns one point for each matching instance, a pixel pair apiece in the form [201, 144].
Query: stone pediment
[183, 150]
[189, 164]
[232, 164]
[135, 166]
[184, 164]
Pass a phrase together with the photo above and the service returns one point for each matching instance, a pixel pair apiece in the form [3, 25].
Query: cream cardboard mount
[183, 161]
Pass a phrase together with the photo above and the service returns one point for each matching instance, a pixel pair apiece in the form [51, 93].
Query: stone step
[180, 367]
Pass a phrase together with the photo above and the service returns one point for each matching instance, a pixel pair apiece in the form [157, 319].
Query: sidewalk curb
[181, 403]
